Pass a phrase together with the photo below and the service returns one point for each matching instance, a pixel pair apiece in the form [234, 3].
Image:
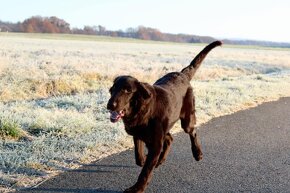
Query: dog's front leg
[147, 171]
[139, 152]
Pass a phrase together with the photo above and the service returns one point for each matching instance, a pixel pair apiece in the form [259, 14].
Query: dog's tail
[195, 63]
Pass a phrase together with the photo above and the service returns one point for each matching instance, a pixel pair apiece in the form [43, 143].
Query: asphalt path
[248, 151]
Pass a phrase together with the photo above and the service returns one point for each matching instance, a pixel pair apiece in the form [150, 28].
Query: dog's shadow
[90, 178]
[68, 190]
[101, 168]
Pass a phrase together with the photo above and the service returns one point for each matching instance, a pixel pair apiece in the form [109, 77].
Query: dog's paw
[134, 189]
[197, 155]
[141, 162]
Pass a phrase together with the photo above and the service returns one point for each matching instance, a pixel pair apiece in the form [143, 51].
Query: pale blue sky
[248, 19]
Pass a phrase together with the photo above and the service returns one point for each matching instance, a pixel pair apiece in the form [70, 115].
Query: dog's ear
[144, 91]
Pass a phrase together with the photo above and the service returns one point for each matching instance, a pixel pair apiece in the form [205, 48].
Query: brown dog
[150, 111]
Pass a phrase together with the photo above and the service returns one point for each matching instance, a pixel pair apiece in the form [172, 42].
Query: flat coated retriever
[150, 111]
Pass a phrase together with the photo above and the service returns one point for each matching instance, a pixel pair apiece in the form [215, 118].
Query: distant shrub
[227, 79]
[9, 129]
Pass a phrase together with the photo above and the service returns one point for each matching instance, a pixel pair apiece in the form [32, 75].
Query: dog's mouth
[116, 116]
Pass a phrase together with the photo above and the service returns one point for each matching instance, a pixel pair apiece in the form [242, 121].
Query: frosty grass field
[54, 89]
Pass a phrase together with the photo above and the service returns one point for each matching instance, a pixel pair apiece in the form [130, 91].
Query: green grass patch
[10, 129]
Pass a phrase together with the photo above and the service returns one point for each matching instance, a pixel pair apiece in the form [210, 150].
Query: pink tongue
[116, 116]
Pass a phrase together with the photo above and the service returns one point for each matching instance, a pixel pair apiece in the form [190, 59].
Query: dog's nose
[111, 105]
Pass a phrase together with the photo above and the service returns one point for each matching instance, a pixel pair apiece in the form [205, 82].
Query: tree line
[38, 24]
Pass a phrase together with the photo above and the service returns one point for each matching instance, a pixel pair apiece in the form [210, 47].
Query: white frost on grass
[65, 130]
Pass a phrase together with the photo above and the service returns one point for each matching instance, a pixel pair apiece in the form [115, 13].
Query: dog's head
[126, 94]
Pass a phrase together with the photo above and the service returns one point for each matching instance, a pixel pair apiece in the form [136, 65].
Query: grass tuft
[9, 129]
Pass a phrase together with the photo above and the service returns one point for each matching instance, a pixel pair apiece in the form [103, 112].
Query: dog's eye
[127, 90]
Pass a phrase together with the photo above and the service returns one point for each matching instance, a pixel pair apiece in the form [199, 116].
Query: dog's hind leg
[188, 121]
[166, 147]
[187, 115]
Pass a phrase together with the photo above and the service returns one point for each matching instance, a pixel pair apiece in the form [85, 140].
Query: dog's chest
[141, 132]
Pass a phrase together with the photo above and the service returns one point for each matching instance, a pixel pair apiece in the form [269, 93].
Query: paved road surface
[248, 151]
